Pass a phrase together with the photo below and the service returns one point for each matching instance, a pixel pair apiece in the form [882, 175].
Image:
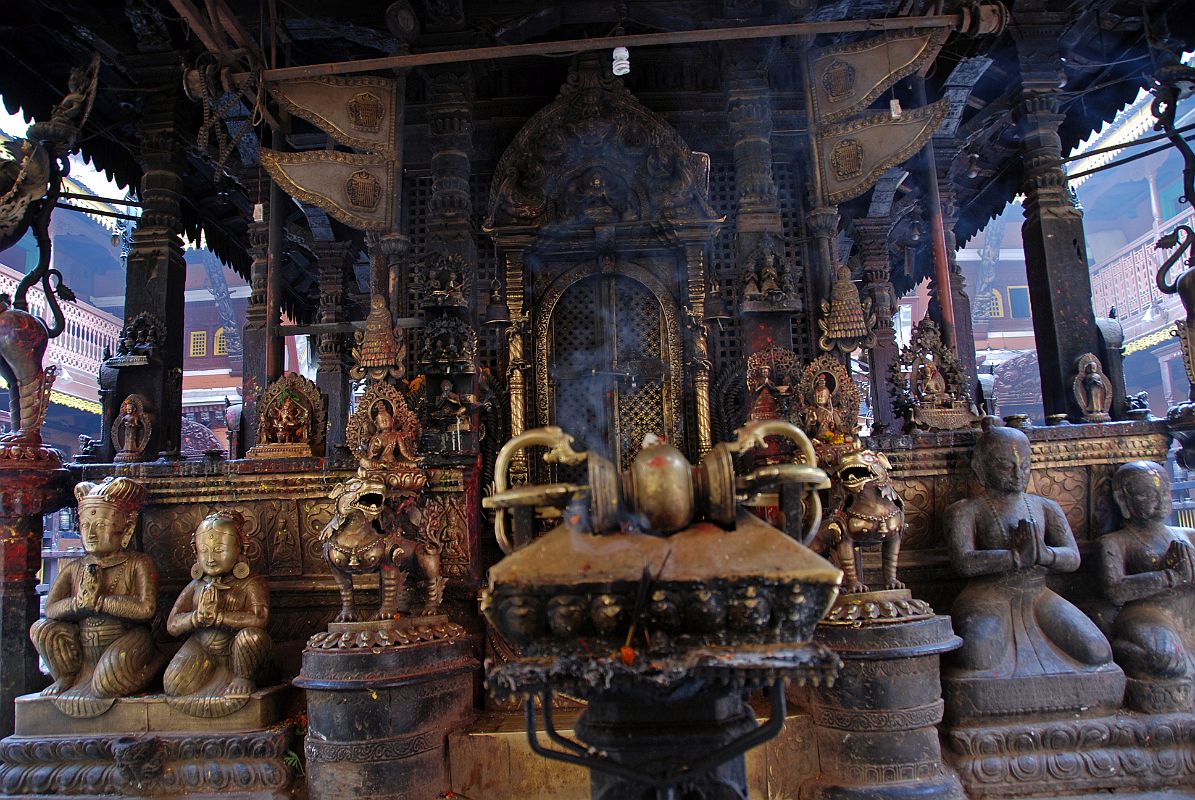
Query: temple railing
[88, 330]
[1127, 279]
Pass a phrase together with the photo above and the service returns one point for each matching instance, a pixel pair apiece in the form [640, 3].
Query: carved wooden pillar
[758, 226]
[253, 372]
[450, 129]
[331, 375]
[451, 255]
[1055, 250]
[871, 238]
[156, 274]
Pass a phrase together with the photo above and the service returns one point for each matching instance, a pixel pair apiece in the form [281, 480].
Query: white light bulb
[622, 61]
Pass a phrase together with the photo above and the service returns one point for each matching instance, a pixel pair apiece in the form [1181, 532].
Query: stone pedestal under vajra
[141, 747]
[381, 700]
[876, 726]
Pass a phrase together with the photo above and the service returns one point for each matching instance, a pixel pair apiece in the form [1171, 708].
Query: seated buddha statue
[1147, 568]
[224, 610]
[1044, 652]
[95, 636]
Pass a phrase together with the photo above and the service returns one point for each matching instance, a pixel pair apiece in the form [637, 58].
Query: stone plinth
[1123, 755]
[876, 726]
[378, 714]
[142, 747]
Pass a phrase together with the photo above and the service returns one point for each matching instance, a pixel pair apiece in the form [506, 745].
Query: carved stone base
[889, 605]
[280, 451]
[25, 455]
[378, 716]
[876, 726]
[1159, 697]
[386, 633]
[1125, 754]
[142, 747]
[38, 715]
[1029, 696]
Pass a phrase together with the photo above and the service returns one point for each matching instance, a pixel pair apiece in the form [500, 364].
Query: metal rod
[944, 294]
[274, 339]
[82, 210]
[342, 327]
[96, 198]
[610, 42]
[1113, 147]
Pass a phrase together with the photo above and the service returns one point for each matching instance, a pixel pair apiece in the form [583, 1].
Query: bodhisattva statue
[1015, 629]
[95, 637]
[1148, 569]
[224, 609]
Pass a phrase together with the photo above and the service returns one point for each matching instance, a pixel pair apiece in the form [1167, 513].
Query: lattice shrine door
[610, 376]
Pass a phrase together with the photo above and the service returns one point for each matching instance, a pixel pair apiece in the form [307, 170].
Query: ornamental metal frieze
[839, 80]
[596, 154]
[847, 159]
[366, 112]
[363, 189]
[358, 111]
[847, 78]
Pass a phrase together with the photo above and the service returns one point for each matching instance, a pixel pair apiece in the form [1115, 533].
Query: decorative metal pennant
[854, 154]
[847, 78]
[355, 188]
[359, 112]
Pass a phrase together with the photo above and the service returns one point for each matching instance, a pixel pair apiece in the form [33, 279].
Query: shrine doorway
[609, 365]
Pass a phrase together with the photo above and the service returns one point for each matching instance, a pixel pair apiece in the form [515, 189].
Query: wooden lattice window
[198, 344]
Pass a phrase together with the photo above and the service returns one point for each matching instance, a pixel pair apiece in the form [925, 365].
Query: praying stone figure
[95, 636]
[224, 609]
[1147, 568]
[1025, 648]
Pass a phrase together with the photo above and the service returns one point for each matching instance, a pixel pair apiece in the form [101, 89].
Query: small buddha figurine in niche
[95, 636]
[447, 409]
[289, 423]
[224, 609]
[1015, 628]
[131, 429]
[1148, 569]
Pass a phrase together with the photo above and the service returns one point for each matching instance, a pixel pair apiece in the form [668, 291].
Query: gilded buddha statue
[224, 609]
[1147, 568]
[95, 636]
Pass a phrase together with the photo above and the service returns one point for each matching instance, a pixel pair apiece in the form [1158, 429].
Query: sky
[97, 182]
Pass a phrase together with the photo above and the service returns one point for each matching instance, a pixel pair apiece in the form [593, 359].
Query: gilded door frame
[673, 387]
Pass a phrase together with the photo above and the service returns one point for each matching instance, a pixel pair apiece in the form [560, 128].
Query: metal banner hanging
[359, 112]
[854, 154]
[355, 188]
[847, 78]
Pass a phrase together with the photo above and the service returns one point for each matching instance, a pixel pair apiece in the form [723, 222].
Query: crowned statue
[95, 637]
